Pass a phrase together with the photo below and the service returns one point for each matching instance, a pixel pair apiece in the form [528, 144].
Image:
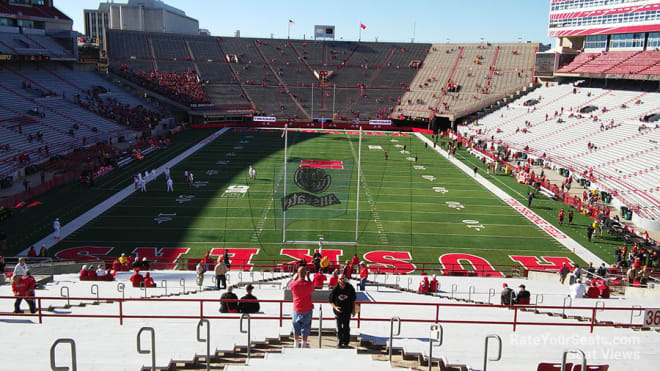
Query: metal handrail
[153, 345]
[635, 308]
[207, 340]
[249, 346]
[563, 307]
[163, 284]
[436, 333]
[320, 326]
[182, 283]
[536, 299]
[68, 299]
[499, 350]
[392, 334]
[454, 288]
[583, 362]
[94, 289]
[409, 282]
[471, 290]
[120, 288]
[491, 294]
[144, 288]
[602, 305]
[72, 343]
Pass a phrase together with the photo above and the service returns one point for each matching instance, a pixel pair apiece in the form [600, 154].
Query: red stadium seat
[552, 366]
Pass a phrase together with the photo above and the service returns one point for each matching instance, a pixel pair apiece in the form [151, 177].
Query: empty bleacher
[615, 62]
[33, 45]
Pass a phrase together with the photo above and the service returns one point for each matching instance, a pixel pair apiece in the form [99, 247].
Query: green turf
[399, 210]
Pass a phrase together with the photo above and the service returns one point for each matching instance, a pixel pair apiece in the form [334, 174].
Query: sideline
[79, 222]
[544, 225]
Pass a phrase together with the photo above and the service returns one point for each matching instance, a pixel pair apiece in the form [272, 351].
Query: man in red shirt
[364, 273]
[334, 279]
[433, 286]
[592, 292]
[148, 281]
[319, 279]
[136, 279]
[424, 286]
[22, 287]
[301, 288]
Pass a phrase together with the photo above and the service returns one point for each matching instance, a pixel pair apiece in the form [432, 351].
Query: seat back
[592, 367]
[553, 367]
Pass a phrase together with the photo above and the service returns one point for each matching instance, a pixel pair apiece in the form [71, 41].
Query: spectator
[199, 269]
[523, 296]
[433, 286]
[603, 288]
[21, 286]
[334, 279]
[364, 274]
[148, 280]
[225, 258]
[136, 279]
[101, 273]
[348, 270]
[228, 304]
[82, 275]
[20, 268]
[220, 271]
[563, 272]
[91, 273]
[301, 289]
[592, 291]
[32, 253]
[424, 286]
[342, 299]
[319, 279]
[577, 291]
[248, 306]
[602, 270]
[325, 264]
[43, 252]
[354, 262]
[507, 296]
[590, 232]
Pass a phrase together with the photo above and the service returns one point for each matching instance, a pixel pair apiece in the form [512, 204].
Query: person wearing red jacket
[319, 279]
[334, 279]
[364, 274]
[355, 261]
[148, 281]
[22, 286]
[116, 266]
[83, 273]
[592, 292]
[433, 285]
[424, 286]
[136, 279]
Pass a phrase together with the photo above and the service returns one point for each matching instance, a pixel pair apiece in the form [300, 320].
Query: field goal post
[357, 208]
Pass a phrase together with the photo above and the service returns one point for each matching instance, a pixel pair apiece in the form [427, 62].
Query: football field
[423, 210]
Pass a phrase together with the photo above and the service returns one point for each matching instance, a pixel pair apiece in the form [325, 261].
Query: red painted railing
[431, 317]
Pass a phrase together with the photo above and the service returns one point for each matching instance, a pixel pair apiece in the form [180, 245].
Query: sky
[386, 20]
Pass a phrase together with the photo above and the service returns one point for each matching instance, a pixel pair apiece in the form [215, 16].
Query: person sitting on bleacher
[136, 279]
[319, 279]
[334, 279]
[248, 306]
[523, 296]
[148, 281]
[91, 273]
[508, 296]
[101, 273]
[433, 285]
[83, 273]
[423, 286]
[228, 306]
[603, 288]
[577, 291]
[592, 291]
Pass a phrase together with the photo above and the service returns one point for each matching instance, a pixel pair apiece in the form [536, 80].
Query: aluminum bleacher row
[275, 76]
[32, 44]
[615, 62]
[482, 72]
[624, 156]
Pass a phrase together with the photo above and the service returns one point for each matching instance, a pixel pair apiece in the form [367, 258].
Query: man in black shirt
[228, 306]
[342, 299]
[249, 306]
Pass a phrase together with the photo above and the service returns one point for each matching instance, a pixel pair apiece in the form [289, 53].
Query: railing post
[392, 334]
[72, 343]
[121, 312]
[153, 345]
[499, 350]
[471, 290]
[437, 333]
[320, 325]
[536, 299]
[39, 308]
[437, 312]
[281, 313]
[62, 294]
[454, 288]
[491, 294]
[163, 284]
[575, 351]
[94, 289]
[120, 288]
[201, 323]
[182, 283]
[633, 309]
[144, 288]
[409, 282]
[570, 304]
[245, 315]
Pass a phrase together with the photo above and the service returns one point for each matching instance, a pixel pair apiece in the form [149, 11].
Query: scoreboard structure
[324, 32]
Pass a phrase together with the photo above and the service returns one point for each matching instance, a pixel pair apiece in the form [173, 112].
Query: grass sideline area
[422, 212]
[73, 199]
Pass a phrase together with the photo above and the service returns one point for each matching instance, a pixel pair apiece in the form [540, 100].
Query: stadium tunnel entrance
[440, 123]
